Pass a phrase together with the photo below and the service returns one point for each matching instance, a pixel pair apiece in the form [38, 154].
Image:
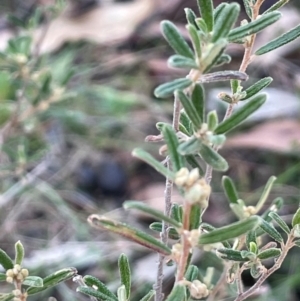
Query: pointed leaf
[212, 120]
[33, 281]
[296, 218]
[93, 293]
[225, 21]
[206, 10]
[269, 253]
[218, 11]
[189, 109]
[195, 216]
[196, 42]
[5, 260]
[212, 158]
[230, 254]
[231, 231]
[125, 274]
[177, 212]
[276, 6]
[131, 233]
[257, 87]
[167, 89]
[212, 55]
[144, 156]
[265, 193]
[151, 211]
[198, 100]
[247, 4]
[190, 16]
[230, 190]
[280, 41]
[280, 222]
[241, 114]
[178, 293]
[175, 39]
[179, 61]
[96, 284]
[172, 233]
[149, 296]
[53, 279]
[186, 122]
[271, 231]
[253, 27]
[209, 228]
[20, 252]
[250, 238]
[172, 142]
[190, 146]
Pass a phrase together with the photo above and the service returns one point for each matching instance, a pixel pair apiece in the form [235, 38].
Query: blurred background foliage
[81, 74]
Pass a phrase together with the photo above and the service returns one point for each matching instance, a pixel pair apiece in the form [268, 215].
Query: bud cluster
[198, 290]
[17, 273]
[196, 190]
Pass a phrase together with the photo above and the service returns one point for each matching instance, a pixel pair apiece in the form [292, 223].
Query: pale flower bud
[192, 177]
[176, 252]
[10, 273]
[194, 237]
[9, 279]
[181, 177]
[25, 272]
[198, 290]
[17, 292]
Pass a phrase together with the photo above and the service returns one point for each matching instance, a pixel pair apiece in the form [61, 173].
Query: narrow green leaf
[5, 260]
[234, 86]
[217, 140]
[230, 254]
[186, 122]
[196, 42]
[177, 212]
[179, 61]
[296, 218]
[189, 147]
[265, 193]
[250, 239]
[149, 296]
[269, 253]
[223, 59]
[189, 109]
[172, 142]
[226, 20]
[175, 39]
[178, 293]
[192, 273]
[212, 55]
[93, 293]
[218, 11]
[253, 27]
[276, 6]
[131, 233]
[20, 252]
[280, 222]
[207, 13]
[96, 284]
[125, 274]
[151, 211]
[247, 4]
[241, 114]
[198, 100]
[231, 231]
[257, 87]
[144, 156]
[167, 89]
[53, 279]
[202, 26]
[193, 162]
[2, 277]
[253, 247]
[159, 125]
[230, 190]
[172, 233]
[33, 281]
[212, 158]
[190, 16]
[209, 228]
[212, 120]
[249, 255]
[195, 217]
[271, 231]
[280, 41]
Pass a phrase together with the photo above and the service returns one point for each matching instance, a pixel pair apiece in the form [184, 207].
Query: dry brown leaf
[104, 25]
[279, 136]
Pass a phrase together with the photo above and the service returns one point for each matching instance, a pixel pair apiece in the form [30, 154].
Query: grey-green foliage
[193, 142]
